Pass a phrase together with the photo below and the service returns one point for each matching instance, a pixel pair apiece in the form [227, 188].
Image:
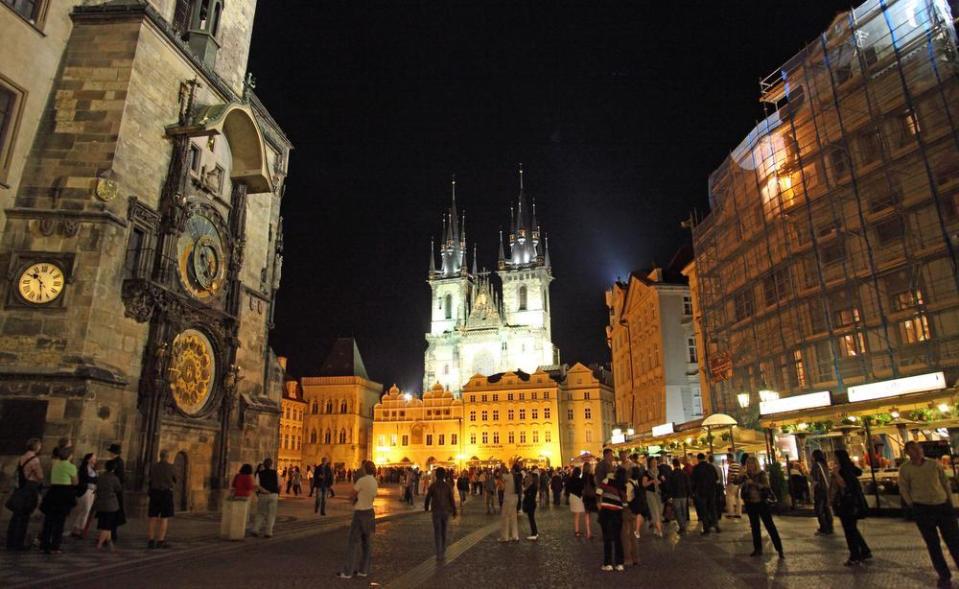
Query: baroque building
[293, 409]
[477, 326]
[141, 182]
[339, 408]
[653, 342]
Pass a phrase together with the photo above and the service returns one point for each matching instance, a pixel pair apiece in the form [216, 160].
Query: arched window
[522, 298]
[329, 406]
[327, 437]
[342, 406]
[313, 437]
[315, 408]
[342, 436]
[449, 306]
[217, 9]
[181, 15]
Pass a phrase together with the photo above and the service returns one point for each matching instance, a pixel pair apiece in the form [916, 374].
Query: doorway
[180, 488]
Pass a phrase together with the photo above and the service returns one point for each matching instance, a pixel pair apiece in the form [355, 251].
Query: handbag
[769, 497]
[24, 499]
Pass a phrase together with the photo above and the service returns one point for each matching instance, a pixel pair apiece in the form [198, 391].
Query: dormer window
[522, 298]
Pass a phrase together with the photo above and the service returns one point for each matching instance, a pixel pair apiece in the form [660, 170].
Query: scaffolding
[829, 256]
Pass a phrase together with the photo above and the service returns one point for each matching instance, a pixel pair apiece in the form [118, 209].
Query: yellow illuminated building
[290, 451]
[339, 408]
[547, 417]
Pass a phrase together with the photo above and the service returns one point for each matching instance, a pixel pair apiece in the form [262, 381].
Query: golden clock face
[201, 258]
[192, 371]
[41, 283]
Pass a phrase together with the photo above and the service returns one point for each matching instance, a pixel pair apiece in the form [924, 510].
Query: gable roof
[344, 360]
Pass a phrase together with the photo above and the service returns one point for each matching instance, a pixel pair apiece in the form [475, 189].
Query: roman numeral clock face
[41, 283]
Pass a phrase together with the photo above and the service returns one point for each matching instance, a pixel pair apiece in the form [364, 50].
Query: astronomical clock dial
[192, 371]
[41, 283]
[201, 259]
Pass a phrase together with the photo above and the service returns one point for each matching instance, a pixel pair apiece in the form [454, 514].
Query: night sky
[618, 110]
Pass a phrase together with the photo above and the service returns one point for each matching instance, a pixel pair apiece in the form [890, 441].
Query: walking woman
[589, 495]
[87, 485]
[850, 505]
[757, 496]
[107, 503]
[574, 488]
[650, 483]
[821, 486]
[59, 500]
[612, 493]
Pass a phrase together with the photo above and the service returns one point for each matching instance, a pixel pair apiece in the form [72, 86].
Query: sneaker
[343, 576]
[607, 568]
[620, 567]
[533, 538]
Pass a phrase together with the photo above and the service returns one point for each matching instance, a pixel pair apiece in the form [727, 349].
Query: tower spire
[521, 176]
[546, 257]
[475, 273]
[432, 258]
[501, 258]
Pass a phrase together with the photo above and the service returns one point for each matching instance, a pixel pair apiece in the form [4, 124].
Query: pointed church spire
[521, 176]
[475, 273]
[454, 229]
[432, 258]
[501, 257]
[546, 258]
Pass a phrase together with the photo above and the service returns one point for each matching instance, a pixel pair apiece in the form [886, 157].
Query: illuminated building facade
[478, 327]
[339, 408]
[653, 343]
[543, 417]
[828, 259]
[290, 451]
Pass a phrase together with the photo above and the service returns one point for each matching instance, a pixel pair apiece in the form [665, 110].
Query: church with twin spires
[484, 326]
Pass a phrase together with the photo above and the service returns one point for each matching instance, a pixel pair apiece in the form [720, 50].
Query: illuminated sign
[795, 403]
[662, 430]
[617, 438]
[900, 386]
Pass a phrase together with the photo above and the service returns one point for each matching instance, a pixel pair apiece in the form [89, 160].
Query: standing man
[114, 451]
[923, 486]
[322, 481]
[267, 495]
[556, 485]
[820, 492]
[605, 466]
[160, 509]
[704, 493]
[362, 526]
[440, 497]
[530, 490]
[489, 492]
[734, 504]
[27, 495]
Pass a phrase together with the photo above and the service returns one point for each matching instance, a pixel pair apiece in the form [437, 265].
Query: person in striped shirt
[611, 493]
[734, 504]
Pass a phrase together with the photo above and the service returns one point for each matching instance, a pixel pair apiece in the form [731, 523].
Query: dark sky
[619, 111]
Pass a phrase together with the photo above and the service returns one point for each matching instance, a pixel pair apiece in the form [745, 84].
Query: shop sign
[901, 386]
[662, 430]
[720, 366]
[795, 403]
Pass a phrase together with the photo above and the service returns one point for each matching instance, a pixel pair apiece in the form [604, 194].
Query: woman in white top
[88, 484]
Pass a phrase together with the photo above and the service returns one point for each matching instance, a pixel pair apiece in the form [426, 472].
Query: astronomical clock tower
[143, 248]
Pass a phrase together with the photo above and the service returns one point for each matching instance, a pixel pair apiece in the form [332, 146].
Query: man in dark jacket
[322, 483]
[704, 491]
[440, 498]
[679, 488]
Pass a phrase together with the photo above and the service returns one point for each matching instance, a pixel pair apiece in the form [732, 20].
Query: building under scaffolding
[829, 255]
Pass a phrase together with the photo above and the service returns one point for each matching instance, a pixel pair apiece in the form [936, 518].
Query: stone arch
[236, 122]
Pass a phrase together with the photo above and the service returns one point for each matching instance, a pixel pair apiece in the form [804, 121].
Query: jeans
[933, 520]
[529, 506]
[734, 504]
[681, 511]
[760, 511]
[265, 513]
[509, 530]
[612, 524]
[823, 512]
[320, 501]
[462, 496]
[440, 525]
[488, 495]
[629, 540]
[858, 548]
[361, 535]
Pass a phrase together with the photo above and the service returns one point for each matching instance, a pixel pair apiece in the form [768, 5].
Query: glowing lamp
[768, 395]
[894, 413]
[407, 397]
[630, 432]
[943, 407]
[743, 399]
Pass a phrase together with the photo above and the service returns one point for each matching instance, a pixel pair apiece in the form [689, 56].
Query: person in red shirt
[243, 483]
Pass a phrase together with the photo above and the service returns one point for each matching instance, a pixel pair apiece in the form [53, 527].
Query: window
[586, 396]
[134, 249]
[472, 415]
[522, 437]
[522, 298]
[495, 398]
[405, 440]
[908, 128]
[569, 414]
[533, 395]
[743, 305]
[495, 415]
[496, 437]
[181, 15]
[852, 345]
[907, 299]
[329, 406]
[589, 435]
[448, 306]
[392, 439]
[472, 398]
[313, 436]
[429, 439]
[342, 406]
[510, 414]
[220, 174]
[535, 437]
[194, 158]
[535, 413]
[847, 317]
[522, 396]
[546, 396]
[342, 436]
[485, 415]
[441, 440]
[833, 252]
[890, 232]
[546, 413]
[454, 438]
[286, 413]
[328, 438]
[473, 439]
[691, 350]
[485, 438]
[522, 414]
[915, 330]
[824, 361]
[509, 396]
[838, 163]
[776, 286]
[510, 437]
[548, 437]
[687, 305]
[800, 369]
[587, 412]
[484, 398]
[315, 407]
[869, 146]
[28, 9]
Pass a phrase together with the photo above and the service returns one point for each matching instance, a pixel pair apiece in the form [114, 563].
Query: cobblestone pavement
[304, 553]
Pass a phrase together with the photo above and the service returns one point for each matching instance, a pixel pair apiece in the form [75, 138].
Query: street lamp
[743, 399]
